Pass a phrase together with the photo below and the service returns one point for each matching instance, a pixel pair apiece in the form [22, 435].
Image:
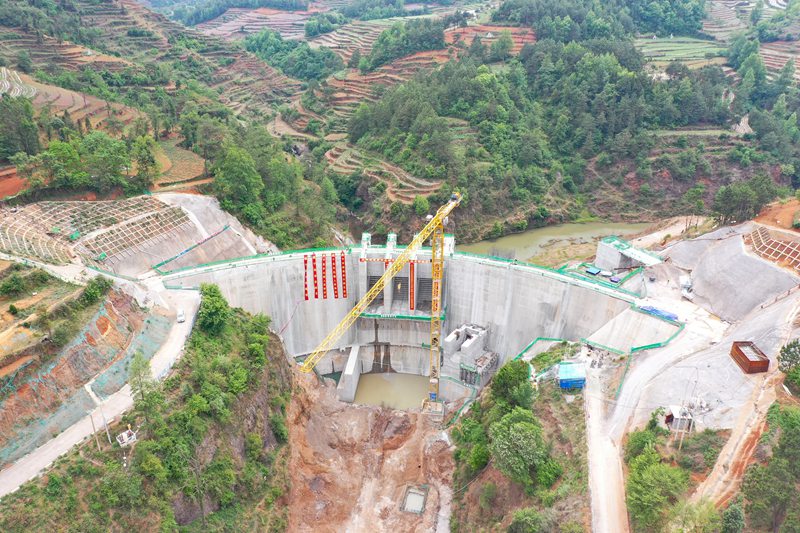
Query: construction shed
[749, 358]
[679, 418]
[571, 375]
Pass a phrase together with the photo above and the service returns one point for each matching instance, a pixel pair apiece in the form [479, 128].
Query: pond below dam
[398, 391]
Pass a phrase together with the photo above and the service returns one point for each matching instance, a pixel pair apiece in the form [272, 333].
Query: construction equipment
[435, 230]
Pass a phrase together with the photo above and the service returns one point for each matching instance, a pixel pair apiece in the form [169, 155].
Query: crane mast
[435, 230]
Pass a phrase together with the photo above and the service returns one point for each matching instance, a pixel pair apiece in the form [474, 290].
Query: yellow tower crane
[435, 230]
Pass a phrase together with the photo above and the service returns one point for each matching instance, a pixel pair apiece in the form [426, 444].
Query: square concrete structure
[614, 253]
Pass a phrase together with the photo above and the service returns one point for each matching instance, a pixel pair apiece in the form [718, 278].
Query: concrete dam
[493, 309]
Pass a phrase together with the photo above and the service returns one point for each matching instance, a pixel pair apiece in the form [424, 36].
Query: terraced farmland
[401, 186]
[244, 82]
[79, 105]
[694, 53]
[47, 52]
[355, 88]
[722, 19]
[236, 23]
[178, 165]
[778, 53]
[12, 85]
[351, 37]
[489, 34]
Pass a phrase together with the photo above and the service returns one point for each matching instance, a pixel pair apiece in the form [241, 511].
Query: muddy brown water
[399, 391]
[528, 244]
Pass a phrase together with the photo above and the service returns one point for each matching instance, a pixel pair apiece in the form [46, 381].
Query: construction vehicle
[435, 230]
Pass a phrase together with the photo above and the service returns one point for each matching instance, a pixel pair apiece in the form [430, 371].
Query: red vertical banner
[305, 275]
[316, 284]
[411, 266]
[324, 277]
[333, 277]
[344, 278]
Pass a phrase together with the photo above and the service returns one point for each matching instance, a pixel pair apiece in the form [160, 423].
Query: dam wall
[515, 302]
[518, 303]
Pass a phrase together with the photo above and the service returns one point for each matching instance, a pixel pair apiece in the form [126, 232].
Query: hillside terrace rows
[351, 37]
[79, 105]
[776, 54]
[722, 19]
[46, 52]
[489, 34]
[238, 22]
[12, 85]
[401, 186]
[247, 83]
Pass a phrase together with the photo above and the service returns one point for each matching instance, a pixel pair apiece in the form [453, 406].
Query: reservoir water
[399, 391]
[523, 246]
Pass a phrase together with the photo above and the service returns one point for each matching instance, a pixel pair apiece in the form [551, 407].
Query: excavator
[435, 230]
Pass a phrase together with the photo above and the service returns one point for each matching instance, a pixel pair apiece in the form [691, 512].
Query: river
[399, 391]
[528, 244]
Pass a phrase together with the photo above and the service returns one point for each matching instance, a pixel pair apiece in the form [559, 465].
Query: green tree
[529, 520]
[652, 488]
[239, 184]
[421, 205]
[146, 165]
[510, 381]
[501, 48]
[18, 131]
[789, 357]
[355, 59]
[517, 445]
[700, 517]
[768, 491]
[733, 518]
[140, 376]
[24, 62]
[214, 311]
[104, 160]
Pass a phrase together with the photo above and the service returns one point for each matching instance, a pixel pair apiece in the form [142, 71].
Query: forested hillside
[552, 114]
[211, 443]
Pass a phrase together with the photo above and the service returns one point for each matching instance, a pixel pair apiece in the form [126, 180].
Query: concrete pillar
[449, 244]
[415, 281]
[388, 289]
[348, 382]
[362, 283]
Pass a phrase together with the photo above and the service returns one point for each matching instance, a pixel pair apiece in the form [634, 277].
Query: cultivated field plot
[47, 52]
[178, 164]
[12, 85]
[10, 182]
[489, 34]
[359, 35]
[79, 105]
[777, 54]
[401, 186]
[236, 23]
[723, 18]
[695, 53]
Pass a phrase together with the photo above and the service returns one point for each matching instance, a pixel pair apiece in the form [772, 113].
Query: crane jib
[434, 228]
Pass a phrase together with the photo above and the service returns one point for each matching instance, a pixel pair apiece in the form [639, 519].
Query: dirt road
[114, 406]
[606, 482]
[608, 420]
